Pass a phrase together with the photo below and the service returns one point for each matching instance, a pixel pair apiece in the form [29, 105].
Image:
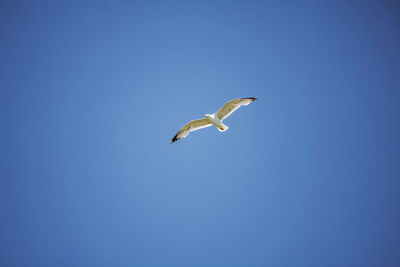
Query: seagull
[213, 119]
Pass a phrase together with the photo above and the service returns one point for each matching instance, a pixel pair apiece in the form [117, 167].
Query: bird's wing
[233, 105]
[190, 127]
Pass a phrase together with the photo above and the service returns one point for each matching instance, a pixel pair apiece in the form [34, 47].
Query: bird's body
[213, 119]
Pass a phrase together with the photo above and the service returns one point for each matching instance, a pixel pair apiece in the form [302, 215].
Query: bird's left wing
[190, 127]
[233, 105]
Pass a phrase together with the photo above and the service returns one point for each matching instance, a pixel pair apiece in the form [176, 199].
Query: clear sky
[91, 93]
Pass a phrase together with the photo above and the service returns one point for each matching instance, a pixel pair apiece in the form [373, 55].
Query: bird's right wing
[190, 127]
[233, 105]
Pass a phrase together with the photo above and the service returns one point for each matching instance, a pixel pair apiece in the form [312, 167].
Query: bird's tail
[223, 128]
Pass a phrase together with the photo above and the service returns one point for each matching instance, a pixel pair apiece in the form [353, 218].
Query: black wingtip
[174, 139]
[252, 98]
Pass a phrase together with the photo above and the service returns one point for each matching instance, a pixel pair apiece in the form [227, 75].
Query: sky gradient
[92, 92]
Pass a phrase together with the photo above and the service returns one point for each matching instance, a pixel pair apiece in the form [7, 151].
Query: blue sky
[92, 93]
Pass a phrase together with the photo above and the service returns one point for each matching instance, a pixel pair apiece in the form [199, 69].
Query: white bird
[214, 119]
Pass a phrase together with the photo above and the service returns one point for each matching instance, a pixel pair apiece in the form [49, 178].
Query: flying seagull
[213, 119]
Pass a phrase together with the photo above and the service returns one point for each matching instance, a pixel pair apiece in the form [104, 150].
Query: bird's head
[207, 115]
